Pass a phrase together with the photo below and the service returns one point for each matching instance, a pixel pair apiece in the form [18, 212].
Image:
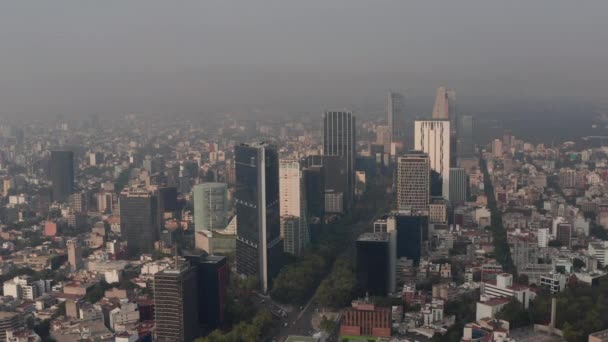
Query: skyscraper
[314, 181]
[62, 174]
[459, 184]
[433, 138]
[373, 263]
[176, 304]
[292, 194]
[497, 148]
[140, 220]
[464, 140]
[259, 246]
[210, 206]
[412, 230]
[413, 182]
[396, 118]
[443, 107]
[213, 273]
[339, 139]
[74, 254]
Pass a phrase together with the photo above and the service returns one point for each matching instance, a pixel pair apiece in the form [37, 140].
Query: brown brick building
[366, 319]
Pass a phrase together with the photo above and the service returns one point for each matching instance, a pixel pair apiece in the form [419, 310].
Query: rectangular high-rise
[213, 273]
[464, 140]
[459, 185]
[176, 298]
[443, 108]
[339, 139]
[373, 261]
[396, 118]
[433, 138]
[413, 182]
[292, 200]
[62, 174]
[314, 182]
[411, 230]
[140, 220]
[210, 206]
[74, 254]
[259, 247]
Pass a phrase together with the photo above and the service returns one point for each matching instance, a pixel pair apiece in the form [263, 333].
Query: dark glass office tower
[339, 140]
[373, 260]
[259, 248]
[62, 174]
[314, 181]
[459, 185]
[396, 118]
[464, 141]
[213, 273]
[176, 304]
[140, 220]
[411, 231]
[334, 175]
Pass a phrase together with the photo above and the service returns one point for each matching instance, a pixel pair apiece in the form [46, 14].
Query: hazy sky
[120, 56]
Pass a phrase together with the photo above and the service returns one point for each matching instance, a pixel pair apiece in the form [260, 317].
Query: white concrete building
[433, 138]
[292, 205]
[503, 287]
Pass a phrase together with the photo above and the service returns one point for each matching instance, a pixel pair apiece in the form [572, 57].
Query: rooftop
[379, 236]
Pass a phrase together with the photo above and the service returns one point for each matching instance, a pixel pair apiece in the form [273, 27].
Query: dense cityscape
[303, 171]
[394, 228]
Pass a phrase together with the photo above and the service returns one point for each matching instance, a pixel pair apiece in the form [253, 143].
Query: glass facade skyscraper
[339, 139]
[140, 220]
[464, 140]
[259, 247]
[210, 206]
[62, 174]
[396, 118]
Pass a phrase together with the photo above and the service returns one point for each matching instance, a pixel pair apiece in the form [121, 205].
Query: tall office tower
[433, 138]
[213, 273]
[168, 197]
[259, 247]
[396, 118]
[459, 185]
[564, 234]
[335, 180]
[62, 174]
[78, 201]
[443, 109]
[383, 138]
[497, 148]
[74, 254]
[176, 304]
[413, 182]
[411, 230]
[140, 220]
[210, 206]
[373, 263]
[464, 142]
[292, 200]
[314, 181]
[339, 140]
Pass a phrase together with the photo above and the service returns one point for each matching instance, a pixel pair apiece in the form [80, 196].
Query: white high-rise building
[433, 138]
[543, 237]
[292, 199]
[413, 182]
